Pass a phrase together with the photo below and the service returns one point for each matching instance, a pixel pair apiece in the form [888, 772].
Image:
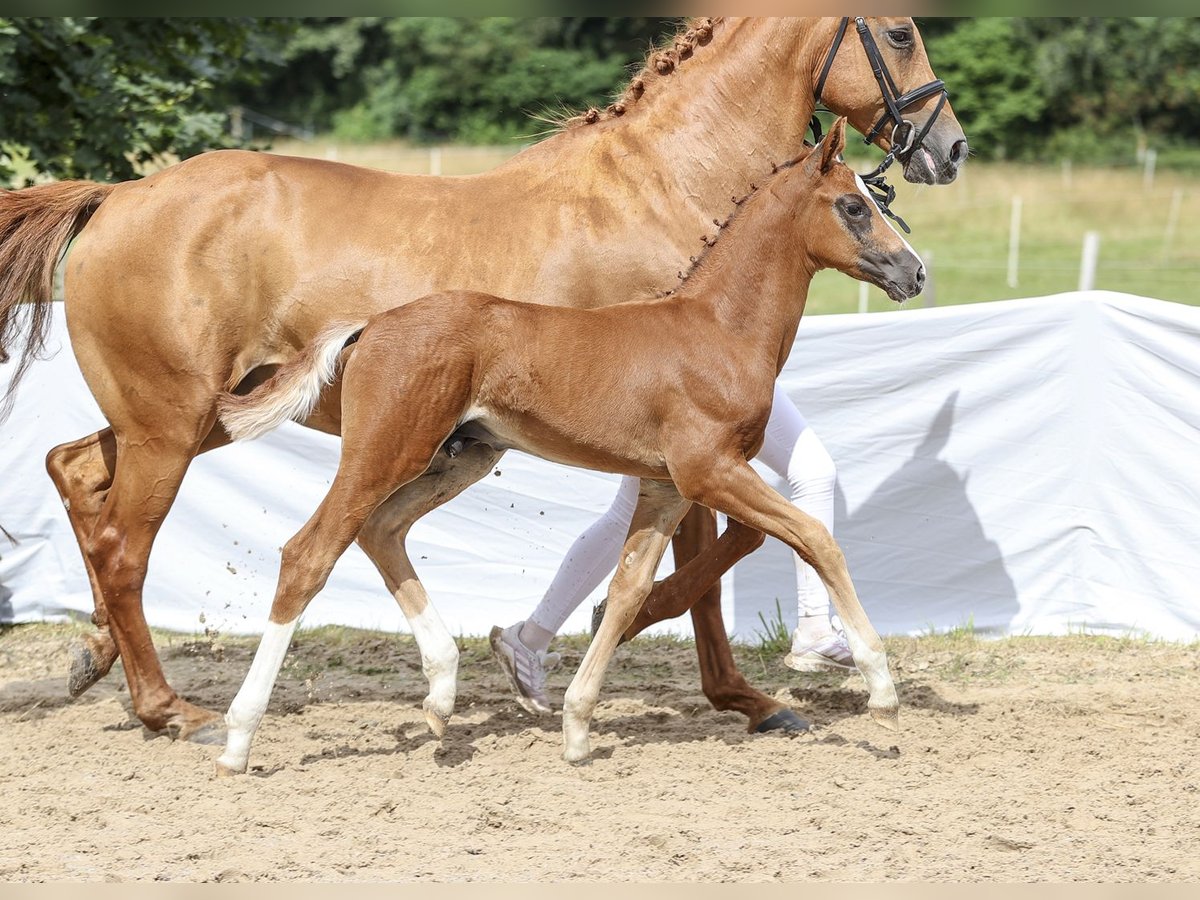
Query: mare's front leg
[731, 486]
[659, 509]
[382, 538]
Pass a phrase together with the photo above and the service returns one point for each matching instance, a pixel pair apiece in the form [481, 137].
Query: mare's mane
[659, 63]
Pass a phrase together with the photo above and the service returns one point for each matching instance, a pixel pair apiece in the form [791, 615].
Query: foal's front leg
[658, 512]
[731, 486]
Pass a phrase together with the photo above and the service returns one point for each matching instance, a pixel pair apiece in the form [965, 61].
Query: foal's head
[840, 227]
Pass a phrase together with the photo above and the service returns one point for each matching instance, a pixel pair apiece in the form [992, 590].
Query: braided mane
[660, 62]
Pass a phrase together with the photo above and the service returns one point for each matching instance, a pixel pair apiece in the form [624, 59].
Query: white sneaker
[525, 669]
[830, 652]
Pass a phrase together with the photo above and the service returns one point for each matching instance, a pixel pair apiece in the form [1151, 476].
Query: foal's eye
[900, 37]
[856, 210]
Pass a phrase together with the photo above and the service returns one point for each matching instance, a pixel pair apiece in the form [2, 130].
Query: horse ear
[833, 145]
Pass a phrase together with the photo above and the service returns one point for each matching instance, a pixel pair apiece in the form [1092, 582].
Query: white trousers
[790, 448]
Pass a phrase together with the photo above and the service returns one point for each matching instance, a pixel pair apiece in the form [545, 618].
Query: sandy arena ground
[1026, 759]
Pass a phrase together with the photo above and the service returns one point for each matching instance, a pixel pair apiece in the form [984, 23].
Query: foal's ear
[833, 145]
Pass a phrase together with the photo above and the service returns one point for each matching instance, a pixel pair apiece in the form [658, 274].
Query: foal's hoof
[209, 734]
[197, 726]
[888, 717]
[227, 771]
[785, 721]
[91, 659]
[436, 721]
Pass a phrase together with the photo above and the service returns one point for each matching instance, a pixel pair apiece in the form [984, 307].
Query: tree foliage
[1090, 88]
[95, 97]
[473, 80]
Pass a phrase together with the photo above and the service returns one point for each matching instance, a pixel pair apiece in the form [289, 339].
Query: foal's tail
[36, 225]
[293, 391]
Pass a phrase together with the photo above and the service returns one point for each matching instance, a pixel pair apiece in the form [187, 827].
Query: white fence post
[862, 296]
[435, 160]
[1014, 241]
[1087, 265]
[1148, 171]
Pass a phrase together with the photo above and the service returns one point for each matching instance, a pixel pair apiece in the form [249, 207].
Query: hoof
[226, 771]
[578, 758]
[209, 733]
[89, 663]
[785, 721]
[888, 717]
[436, 721]
[197, 726]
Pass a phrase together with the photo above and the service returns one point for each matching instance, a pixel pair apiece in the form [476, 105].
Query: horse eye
[900, 37]
[856, 210]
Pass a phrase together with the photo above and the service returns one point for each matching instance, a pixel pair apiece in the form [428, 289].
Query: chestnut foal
[674, 390]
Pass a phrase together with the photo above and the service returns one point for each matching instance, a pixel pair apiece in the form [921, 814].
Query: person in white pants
[793, 451]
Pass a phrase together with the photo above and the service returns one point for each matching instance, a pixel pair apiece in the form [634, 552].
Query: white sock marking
[247, 709]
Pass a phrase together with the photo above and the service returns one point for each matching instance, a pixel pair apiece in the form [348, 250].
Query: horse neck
[726, 115]
[754, 282]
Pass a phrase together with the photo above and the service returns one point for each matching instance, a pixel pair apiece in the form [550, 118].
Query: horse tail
[293, 391]
[36, 224]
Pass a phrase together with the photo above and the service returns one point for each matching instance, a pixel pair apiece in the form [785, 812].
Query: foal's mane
[660, 62]
[739, 203]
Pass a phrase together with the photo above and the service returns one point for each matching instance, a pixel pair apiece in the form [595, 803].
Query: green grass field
[966, 226]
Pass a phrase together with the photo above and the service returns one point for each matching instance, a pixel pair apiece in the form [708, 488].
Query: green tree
[96, 97]
[1108, 80]
[989, 68]
[474, 80]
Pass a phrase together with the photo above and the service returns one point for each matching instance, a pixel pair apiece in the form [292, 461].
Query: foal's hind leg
[658, 511]
[362, 483]
[382, 538]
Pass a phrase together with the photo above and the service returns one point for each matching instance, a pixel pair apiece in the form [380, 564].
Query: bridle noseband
[906, 139]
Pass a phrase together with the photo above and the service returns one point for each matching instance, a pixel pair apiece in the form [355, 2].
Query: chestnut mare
[207, 276]
[470, 367]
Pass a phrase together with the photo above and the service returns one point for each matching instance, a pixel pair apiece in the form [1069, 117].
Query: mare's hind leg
[82, 471]
[658, 512]
[382, 538]
[148, 472]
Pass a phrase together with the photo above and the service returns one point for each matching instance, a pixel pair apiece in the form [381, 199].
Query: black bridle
[906, 139]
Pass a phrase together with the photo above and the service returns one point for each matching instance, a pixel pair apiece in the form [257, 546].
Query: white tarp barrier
[1026, 466]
